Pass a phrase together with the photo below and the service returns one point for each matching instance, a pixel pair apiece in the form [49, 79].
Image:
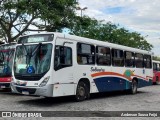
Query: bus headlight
[44, 82]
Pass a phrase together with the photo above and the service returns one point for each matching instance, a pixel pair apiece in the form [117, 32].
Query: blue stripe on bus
[143, 83]
[106, 84]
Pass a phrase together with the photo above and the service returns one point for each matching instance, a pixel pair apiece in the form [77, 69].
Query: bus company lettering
[95, 69]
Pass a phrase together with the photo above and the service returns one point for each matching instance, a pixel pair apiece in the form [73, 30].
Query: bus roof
[95, 42]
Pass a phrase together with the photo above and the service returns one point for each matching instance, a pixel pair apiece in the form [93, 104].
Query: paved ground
[147, 99]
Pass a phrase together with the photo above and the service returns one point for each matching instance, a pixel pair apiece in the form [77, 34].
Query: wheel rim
[81, 92]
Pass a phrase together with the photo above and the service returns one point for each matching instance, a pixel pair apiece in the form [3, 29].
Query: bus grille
[30, 90]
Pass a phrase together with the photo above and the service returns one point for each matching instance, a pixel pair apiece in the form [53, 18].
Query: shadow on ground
[48, 102]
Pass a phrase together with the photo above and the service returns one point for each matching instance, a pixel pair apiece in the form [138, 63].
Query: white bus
[57, 64]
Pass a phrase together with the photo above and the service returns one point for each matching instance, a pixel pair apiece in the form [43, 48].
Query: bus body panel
[63, 89]
[156, 75]
[5, 79]
[64, 81]
[5, 82]
[156, 71]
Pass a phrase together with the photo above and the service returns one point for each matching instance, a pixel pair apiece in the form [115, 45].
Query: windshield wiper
[30, 54]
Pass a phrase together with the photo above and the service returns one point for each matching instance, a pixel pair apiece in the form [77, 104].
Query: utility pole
[81, 9]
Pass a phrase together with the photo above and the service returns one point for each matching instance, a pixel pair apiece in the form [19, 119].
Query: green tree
[156, 58]
[35, 15]
[100, 30]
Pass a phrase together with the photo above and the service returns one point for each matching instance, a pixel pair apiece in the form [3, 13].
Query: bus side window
[147, 61]
[129, 59]
[117, 58]
[154, 66]
[79, 59]
[103, 56]
[158, 67]
[85, 54]
[139, 60]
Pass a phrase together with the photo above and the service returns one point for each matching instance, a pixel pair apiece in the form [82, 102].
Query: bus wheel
[134, 85]
[157, 81]
[82, 91]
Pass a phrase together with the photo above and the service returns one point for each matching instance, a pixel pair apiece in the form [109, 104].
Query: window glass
[154, 66]
[158, 67]
[6, 61]
[68, 56]
[33, 59]
[147, 61]
[63, 57]
[103, 56]
[129, 59]
[117, 57]
[85, 54]
[139, 60]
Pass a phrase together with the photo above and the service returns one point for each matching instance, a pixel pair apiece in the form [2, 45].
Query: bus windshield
[6, 61]
[31, 60]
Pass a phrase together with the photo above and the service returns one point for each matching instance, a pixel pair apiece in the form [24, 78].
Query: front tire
[134, 87]
[82, 91]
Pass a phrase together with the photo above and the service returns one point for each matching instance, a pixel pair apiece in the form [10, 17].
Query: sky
[142, 16]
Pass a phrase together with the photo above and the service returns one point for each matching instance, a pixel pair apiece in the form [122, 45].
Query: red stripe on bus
[109, 73]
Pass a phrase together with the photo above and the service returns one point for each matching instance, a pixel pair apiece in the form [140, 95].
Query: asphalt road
[147, 99]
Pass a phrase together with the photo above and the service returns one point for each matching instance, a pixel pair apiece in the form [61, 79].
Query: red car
[156, 72]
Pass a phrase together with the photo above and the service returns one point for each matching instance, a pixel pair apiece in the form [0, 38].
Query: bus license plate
[25, 92]
[2, 86]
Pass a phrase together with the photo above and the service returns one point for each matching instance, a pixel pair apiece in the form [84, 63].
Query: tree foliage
[35, 15]
[94, 29]
[156, 58]
[24, 16]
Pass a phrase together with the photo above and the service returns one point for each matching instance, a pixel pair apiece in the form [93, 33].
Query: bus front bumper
[38, 91]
